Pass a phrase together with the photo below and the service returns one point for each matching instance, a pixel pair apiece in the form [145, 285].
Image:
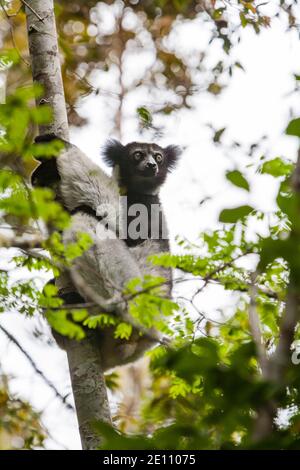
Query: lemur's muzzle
[150, 167]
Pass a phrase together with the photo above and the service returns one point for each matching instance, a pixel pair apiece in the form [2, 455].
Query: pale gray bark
[84, 360]
[89, 390]
[255, 327]
[46, 71]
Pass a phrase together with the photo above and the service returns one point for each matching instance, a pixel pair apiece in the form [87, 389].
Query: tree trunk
[87, 378]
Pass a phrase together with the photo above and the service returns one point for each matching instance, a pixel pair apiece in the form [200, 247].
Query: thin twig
[15, 242]
[70, 307]
[8, 18]
[209, 277]
[36, 368]
[33, 11]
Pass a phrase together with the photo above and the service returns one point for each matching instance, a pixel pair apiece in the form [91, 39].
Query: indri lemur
[84, 189]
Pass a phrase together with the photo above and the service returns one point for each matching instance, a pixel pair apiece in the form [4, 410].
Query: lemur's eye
[158, 157]
[137, 155]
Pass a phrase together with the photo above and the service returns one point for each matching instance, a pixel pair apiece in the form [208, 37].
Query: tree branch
[32, 10]
[21, 243]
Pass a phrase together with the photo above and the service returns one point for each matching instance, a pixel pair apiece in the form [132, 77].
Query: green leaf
[187, 362]
[50, 290]
[101, 320]
[59, 320]
[277, 167]
[41, 115]
[145, 116]
[74, 250]
[235, 177]
[293, 128]
[8, 58]
[46, 150]
[113, 439]
[123, 331]
[217, 14]
[231, 216]
[218, 135]
[243, 19]
[239, 66]
[274, 249]
[179, 387]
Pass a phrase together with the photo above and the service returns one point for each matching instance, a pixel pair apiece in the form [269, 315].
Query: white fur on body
[83, 182]
[109, 264]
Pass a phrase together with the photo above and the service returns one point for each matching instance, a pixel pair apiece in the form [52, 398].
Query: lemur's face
[145, 160]
[143, 167]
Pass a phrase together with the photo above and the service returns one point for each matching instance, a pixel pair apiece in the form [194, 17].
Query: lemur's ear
[172, 153]
[112, 152]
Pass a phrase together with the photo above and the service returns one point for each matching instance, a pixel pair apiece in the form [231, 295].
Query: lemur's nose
[151, 165]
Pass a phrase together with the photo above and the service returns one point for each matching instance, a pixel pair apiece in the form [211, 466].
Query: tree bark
[87, 378]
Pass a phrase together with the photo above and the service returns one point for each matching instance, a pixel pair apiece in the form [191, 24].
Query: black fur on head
[143, 167]
[113, 152]
[173, 153]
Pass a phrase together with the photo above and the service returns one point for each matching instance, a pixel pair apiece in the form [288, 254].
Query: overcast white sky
[256, 103]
